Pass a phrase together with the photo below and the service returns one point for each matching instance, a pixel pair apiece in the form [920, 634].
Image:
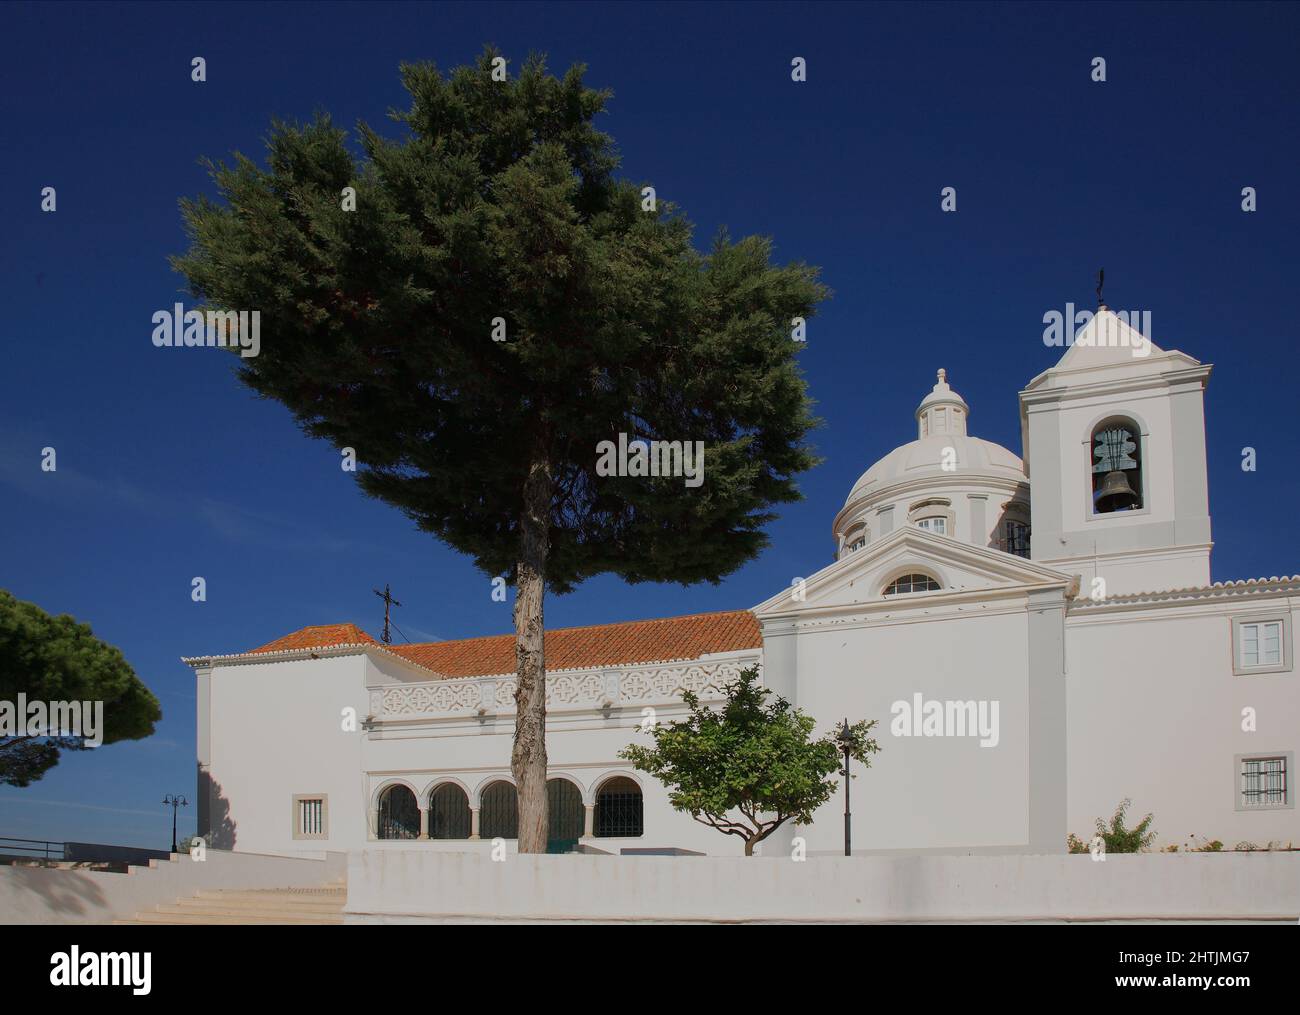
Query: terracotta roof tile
[639, 641]
[321, 636]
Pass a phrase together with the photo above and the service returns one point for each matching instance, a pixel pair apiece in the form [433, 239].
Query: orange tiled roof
[320, 636]
[569, 648]
[638, 641]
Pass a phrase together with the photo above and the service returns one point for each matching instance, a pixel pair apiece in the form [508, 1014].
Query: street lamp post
[846, 744]
[174, 802]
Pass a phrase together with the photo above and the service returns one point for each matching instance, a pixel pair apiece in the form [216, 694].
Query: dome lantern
[942, 411]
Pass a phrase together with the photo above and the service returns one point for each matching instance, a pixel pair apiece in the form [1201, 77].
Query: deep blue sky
[168, 468]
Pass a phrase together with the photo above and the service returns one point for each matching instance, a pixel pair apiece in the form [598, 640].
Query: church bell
[1115, 493]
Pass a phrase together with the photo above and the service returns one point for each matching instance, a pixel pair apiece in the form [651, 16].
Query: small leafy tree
[58, 659]
[1118, 837]
[749, 767]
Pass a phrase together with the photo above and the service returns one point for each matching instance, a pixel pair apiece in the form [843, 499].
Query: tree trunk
[749, 846]
[528, 757]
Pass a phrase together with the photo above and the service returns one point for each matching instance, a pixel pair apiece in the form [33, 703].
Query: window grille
[1263, 782]
[566, 816]
[620, 810]
[1017, 538]
[449, 816]
[499, 812]
[399, 817]
[311, 817]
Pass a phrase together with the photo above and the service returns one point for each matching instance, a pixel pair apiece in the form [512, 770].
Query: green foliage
[1074, 844]
[499, 199]
[58, 659]
[1121, 839]
[748, 767]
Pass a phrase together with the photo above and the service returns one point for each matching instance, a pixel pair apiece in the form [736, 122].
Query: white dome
[946, 481]
[925, 457]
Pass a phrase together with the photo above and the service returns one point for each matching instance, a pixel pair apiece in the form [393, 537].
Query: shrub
[1118, 838]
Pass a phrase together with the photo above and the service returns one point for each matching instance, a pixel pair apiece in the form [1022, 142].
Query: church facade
[1038, 636]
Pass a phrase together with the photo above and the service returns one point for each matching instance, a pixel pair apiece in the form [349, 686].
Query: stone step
[312, 902]
[208, 918]
[249, 908]
[323, 905]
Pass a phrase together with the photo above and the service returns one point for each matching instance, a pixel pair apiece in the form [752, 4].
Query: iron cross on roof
[389, 601]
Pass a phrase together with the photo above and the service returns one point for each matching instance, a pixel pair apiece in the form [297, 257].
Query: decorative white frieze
[573, 691]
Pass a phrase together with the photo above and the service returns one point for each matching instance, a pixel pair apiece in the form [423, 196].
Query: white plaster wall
[412, 886]
[924, 792]
[276, 732]
[1154, 713]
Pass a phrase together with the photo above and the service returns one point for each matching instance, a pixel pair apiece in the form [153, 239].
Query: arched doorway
[498, 815]
[620, 813]
[449, 813]
[566, 816]
[399, 816]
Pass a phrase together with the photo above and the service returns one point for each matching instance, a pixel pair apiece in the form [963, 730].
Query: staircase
[322, 905]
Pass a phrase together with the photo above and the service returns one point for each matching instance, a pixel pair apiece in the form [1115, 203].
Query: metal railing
[31, 849]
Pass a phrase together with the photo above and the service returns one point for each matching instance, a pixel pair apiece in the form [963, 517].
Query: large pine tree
[498, 206]
[56, 659]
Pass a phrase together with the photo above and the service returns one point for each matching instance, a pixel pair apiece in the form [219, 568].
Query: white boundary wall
[392, 886]
[61, 895]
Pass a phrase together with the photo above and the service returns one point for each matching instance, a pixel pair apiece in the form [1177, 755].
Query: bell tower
[1114, 443]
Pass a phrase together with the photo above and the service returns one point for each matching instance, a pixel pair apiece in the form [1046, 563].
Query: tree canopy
[749, 766]
[52, 659]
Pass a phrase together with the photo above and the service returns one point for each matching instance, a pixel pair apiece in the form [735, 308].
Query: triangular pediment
[860, 578]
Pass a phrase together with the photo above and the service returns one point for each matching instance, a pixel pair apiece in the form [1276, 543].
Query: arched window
[912, 583]
[399, 817]
[499, 812]
[856, 538]
[566, 816]
[449, 813]
[619, 810]
[934, 515]
[1116, 467]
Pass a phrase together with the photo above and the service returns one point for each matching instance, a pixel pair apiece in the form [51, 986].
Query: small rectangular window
[1270, 643]
[310, 817]
[1264, 782]
[1261, 644]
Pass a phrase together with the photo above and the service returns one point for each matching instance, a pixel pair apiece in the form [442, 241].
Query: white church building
[1038, 636]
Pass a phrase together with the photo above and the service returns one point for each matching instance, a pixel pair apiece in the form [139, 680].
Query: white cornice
[298, 654]
[1231, 590]
[1033, 395]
